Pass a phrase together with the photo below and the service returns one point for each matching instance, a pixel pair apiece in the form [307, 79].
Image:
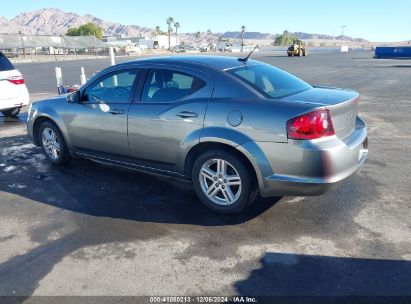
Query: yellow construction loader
[297, 49]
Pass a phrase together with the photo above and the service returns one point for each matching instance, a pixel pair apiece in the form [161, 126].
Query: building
[161, 41]
[156, 42]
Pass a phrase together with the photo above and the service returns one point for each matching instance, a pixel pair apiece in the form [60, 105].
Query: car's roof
[216, 62]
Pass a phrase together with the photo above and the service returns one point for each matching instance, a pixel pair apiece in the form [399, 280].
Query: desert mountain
[53, 21]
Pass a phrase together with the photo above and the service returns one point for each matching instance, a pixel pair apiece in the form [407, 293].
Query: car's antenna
[248, 56]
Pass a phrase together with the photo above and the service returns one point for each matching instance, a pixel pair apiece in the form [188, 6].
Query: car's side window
[114, 88]
[168, 86]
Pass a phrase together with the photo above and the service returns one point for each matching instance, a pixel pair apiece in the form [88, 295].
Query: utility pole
[22, 43]
[342, 32]
[242, 38]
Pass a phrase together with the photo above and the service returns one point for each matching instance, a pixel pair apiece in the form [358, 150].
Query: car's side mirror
[74, 97]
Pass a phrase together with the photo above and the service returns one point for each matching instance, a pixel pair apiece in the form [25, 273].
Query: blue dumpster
[393, 52]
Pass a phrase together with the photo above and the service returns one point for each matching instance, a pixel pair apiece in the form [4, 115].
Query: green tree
[285, 39]
[157, 31]
[170, 22]
[198, 35]
[88, 29]
[73, 31]
[209, 32]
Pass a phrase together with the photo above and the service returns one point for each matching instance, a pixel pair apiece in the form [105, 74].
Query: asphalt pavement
[93, 229]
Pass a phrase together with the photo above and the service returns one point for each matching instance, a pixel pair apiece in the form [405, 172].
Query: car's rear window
[270, 81]
[5, 64]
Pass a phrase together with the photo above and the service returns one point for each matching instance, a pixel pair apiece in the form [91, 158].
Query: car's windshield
[270, 81]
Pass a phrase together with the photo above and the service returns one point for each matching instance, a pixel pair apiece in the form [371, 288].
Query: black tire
[11, 112]
[289, 55]
[248, 189]
[64, 154]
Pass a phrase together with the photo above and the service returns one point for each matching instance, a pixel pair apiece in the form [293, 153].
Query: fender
[232, 138]
[209, 134]
[262, 166]
[50, 113]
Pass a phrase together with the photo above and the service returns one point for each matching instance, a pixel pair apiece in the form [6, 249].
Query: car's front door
[98, 123]
[171, 107]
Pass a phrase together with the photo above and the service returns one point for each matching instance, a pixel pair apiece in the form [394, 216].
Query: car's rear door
[98, 124]
[169, 111]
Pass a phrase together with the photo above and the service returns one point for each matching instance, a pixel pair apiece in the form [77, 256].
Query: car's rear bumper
[311, 167]
[16, 102]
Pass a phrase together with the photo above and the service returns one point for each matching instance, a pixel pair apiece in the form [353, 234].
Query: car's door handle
[187, 114]
[116, 111]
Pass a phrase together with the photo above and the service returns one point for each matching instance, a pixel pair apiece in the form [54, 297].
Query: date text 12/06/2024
[201, 299]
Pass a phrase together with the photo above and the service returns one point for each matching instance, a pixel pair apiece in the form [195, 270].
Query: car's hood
[323, 96]
[58, 98]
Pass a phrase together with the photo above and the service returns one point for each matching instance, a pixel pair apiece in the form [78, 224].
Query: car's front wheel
[223, 182]
[53, 144]
[11, 112]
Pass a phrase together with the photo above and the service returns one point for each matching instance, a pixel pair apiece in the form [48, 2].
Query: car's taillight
[312, 125]
[16, 79]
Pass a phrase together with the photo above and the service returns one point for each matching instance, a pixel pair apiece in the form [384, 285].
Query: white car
[13, 92]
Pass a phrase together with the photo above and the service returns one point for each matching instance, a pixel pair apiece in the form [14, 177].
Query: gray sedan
[235, 128]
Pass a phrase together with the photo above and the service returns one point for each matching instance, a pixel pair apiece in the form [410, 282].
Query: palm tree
[242, 37]
[177, 25]
[154, 33]
[170, 22]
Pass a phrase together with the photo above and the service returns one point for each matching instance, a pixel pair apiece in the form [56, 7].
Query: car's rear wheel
[223, 182]
[53, 144]
[11, 112]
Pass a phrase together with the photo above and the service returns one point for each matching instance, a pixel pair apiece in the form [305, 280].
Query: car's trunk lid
[342, 105]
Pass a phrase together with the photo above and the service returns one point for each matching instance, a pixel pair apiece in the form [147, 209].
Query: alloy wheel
[51, 143]
[220, 181]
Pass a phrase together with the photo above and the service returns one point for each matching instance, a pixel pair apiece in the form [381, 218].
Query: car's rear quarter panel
[284, 166]
[262, 120]
[263, 128]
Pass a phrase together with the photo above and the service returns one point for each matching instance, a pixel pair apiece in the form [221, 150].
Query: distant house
[161, 41]
[146, 43]
[223, 46]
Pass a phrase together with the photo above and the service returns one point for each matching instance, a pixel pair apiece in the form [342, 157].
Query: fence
[64, 42]
[51, 45]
